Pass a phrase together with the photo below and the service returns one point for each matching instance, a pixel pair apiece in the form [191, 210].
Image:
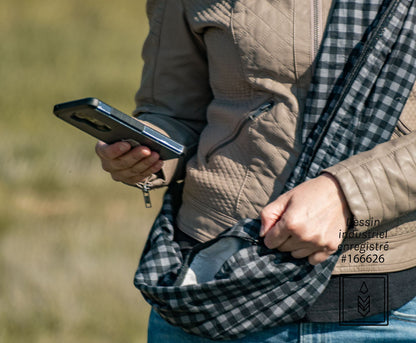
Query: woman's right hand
[127, 164]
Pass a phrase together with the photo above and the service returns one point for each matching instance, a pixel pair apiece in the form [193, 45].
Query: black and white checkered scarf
[355, 105]
[352, 107]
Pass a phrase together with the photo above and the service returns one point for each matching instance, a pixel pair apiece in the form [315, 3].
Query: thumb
[272, 213]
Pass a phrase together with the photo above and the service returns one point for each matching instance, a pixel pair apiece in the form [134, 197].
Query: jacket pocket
[247, 118]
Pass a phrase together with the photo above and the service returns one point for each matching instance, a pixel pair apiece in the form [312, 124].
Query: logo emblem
[363, 300]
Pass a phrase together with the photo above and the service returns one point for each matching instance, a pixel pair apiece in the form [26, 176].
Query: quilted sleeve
[174, 91]
[380, 184]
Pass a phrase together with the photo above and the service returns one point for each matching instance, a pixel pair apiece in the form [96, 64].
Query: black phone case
[110, 125]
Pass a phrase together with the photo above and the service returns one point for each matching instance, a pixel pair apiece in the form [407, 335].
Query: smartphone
[110, 125]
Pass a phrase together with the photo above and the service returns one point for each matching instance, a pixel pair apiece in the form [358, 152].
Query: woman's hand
[308, 220]
[126, 164]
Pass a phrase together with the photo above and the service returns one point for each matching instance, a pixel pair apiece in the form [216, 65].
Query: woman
[233, 77]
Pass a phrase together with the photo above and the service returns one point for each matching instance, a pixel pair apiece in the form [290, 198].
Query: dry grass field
[70, 237]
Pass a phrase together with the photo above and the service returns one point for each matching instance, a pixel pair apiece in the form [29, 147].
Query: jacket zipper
[252, 115]
[316, 21]
[145, 187]
[401, 128]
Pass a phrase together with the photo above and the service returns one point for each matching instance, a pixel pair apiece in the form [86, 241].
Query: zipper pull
[261, 109]
[146, 194]
[146, 197]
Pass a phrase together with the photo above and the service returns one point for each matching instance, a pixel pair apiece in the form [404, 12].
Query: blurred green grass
[70, 237]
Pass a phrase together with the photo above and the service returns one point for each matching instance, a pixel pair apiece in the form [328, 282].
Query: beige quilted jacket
[232, 76]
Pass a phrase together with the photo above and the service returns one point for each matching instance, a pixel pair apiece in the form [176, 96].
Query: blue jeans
[401, 328]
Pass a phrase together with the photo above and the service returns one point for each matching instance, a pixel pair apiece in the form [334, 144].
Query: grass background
[70, 237]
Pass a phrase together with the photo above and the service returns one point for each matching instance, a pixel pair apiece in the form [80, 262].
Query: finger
[294, 243]
[271, 214]
[276, 236]
[319, 256]
[111, 151]
[139, 171]
[142, 176]
[146, 166]
[130, 159]
[301, 253]
[138, 159]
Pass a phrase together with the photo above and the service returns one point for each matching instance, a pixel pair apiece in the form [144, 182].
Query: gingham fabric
[257, 288]
[254, 289]
[354, 106]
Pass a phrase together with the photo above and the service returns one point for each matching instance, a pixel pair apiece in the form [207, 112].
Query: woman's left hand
[308, 221]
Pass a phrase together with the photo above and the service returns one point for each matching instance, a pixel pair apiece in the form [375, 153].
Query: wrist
[339, 194]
